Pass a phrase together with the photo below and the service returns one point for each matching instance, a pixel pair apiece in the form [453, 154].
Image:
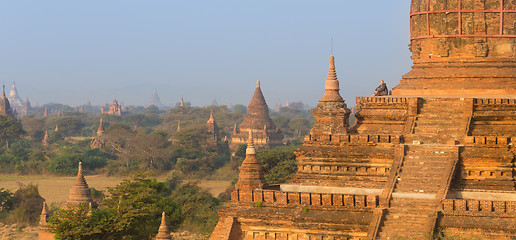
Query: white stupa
[15, 100]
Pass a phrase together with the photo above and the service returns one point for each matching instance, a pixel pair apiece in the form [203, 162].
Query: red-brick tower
[250, 174]
[331, 114]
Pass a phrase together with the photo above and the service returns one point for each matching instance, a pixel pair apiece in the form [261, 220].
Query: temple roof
[257, 112]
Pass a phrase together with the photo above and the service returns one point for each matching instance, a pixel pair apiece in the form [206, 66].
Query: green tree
[5, 200]
[142, 120]
[65, 162]
[70, 125]
[82, 223]
[137, 205]
[10, 130]
[131, 211]
[278, 164]
[34, 126]
[199, 208]
[25, 205]
[148, 152]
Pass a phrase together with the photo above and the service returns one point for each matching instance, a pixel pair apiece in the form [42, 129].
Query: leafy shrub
[24, 206]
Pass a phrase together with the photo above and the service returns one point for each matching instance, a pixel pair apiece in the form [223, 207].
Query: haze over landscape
[71, 52]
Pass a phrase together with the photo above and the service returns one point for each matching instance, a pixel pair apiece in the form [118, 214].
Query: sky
[71, 52]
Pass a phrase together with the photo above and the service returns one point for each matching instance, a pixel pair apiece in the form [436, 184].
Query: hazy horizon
[75, 52]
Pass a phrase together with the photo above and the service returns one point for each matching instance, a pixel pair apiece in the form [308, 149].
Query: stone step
[406, 188]
[413, 203]
[435, 120]
[407, 224]
[422, 173]
[415, 179]
[427, 172]
[424, 164]
[441, 116]
[437, 127]
[403, 234]
[402, 189]
[439, 134]
[426, 138]
[422, 161]
[439, 153]
[439, 130]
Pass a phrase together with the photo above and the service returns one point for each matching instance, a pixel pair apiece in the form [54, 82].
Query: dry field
[56, 189]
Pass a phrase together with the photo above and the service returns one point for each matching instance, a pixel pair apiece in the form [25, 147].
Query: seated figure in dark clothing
[381, 90]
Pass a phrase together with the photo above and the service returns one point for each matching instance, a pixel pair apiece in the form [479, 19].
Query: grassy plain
[55, 189]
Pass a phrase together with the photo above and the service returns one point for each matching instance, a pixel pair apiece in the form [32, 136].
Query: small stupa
[163, 231]
[80, 192]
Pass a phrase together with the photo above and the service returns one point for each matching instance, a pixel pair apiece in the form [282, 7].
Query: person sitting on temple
[381, 90]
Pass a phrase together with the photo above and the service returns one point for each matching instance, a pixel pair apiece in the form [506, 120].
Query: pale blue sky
[74, 51]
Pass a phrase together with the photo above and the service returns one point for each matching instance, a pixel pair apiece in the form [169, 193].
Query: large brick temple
[258, 121]
[435, 157]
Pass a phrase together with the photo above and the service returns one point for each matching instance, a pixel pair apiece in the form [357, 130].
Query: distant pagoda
[14, 99]
[155, 101]
[213, 131]
[114, 109]
[258, 122]
[98, 141]
[26, 109]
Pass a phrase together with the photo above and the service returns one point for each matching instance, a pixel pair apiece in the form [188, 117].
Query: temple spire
[43, 217]
[235, 129]
[163, 231]
[331, 87]
[3, 91]
[250, 150]
[251, 173]
[45, 139]
[211, 120]
[100, 130]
